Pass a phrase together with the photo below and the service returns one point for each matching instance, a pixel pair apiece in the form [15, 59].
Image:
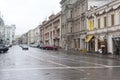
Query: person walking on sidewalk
[100, 51]
[117, 52]
[103, 49]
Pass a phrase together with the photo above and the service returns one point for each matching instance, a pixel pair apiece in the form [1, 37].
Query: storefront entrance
[102, 44]
[116, 45]
[92, 45]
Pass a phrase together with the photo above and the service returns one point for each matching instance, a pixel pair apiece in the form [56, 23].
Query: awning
[89, 38]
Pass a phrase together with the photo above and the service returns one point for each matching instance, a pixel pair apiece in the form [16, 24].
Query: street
[37, 64]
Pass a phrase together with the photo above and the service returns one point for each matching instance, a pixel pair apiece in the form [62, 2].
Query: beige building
[31, 39]
[104, 28]
[50, 30]
[36, 33]
[73, 24]
[24, 38]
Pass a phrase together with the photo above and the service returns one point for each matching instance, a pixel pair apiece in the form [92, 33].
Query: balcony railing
[69, 6]
[56, 36]
[69, 19]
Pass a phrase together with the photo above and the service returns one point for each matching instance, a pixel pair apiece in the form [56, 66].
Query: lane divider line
[79, 61]
[47, 61]
[50, 68]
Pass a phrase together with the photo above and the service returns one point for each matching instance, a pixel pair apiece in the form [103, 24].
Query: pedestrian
[117, 51]
[103, 50]
[100, 51]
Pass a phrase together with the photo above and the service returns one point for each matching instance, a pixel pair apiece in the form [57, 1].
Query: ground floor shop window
[102, 45]
[92, 45]
[78, 42]
[116, 45]
[75, 45]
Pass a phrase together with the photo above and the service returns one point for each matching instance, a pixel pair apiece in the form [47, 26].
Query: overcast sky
[27, 14]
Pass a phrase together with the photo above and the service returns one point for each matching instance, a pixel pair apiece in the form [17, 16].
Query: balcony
[56, 36]
[69, 6]
[69, 19]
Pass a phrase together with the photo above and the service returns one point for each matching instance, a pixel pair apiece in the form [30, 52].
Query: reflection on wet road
[36, 64]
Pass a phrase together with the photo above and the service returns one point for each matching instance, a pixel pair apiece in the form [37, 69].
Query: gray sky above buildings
[28, 14]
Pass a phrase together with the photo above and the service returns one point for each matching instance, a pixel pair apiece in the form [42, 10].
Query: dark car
[42, 46]
[25, 47]
[3, 48]
[8, 46]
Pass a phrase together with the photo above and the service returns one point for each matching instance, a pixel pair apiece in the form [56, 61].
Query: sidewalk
[108, 56]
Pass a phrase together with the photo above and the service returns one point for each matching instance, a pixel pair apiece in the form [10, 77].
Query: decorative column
[110, 44]
[96, 44]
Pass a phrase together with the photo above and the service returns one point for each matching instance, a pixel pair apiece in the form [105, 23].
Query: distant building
[30, 39]
[50, 30]
[36, 35]
[10, 34]
[2, 31]
[17, 39]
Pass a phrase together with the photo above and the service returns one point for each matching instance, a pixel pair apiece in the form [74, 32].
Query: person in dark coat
[117, 51]
[103, 52]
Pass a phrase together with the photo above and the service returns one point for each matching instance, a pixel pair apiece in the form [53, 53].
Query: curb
[108, 56]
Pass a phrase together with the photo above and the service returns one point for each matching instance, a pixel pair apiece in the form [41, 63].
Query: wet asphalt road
[36, 64]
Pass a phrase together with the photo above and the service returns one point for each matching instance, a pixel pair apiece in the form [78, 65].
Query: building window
[75, 45]
[112, 19]
[78, 42]
[98, 23]
[71, 29]
[105, 22]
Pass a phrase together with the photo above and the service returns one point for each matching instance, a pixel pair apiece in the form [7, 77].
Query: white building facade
[10, 34]
[2, 31]
[103, 26]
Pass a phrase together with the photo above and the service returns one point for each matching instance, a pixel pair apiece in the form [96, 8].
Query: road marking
[49, 68]
[78, 61]
[72, 60]
[57, 68]
[106, 66]
[47, 61]
[112, 66]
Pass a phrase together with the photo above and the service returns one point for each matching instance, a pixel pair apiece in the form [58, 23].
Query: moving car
[3, 48]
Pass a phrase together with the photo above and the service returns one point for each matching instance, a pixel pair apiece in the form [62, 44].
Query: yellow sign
[91, 25]
[89, 38]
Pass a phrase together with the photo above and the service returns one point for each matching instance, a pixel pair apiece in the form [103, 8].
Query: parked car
[9, 45]
[34, 45]
[3, 48]
[51, 47]
[24, 47]
[42, 46]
